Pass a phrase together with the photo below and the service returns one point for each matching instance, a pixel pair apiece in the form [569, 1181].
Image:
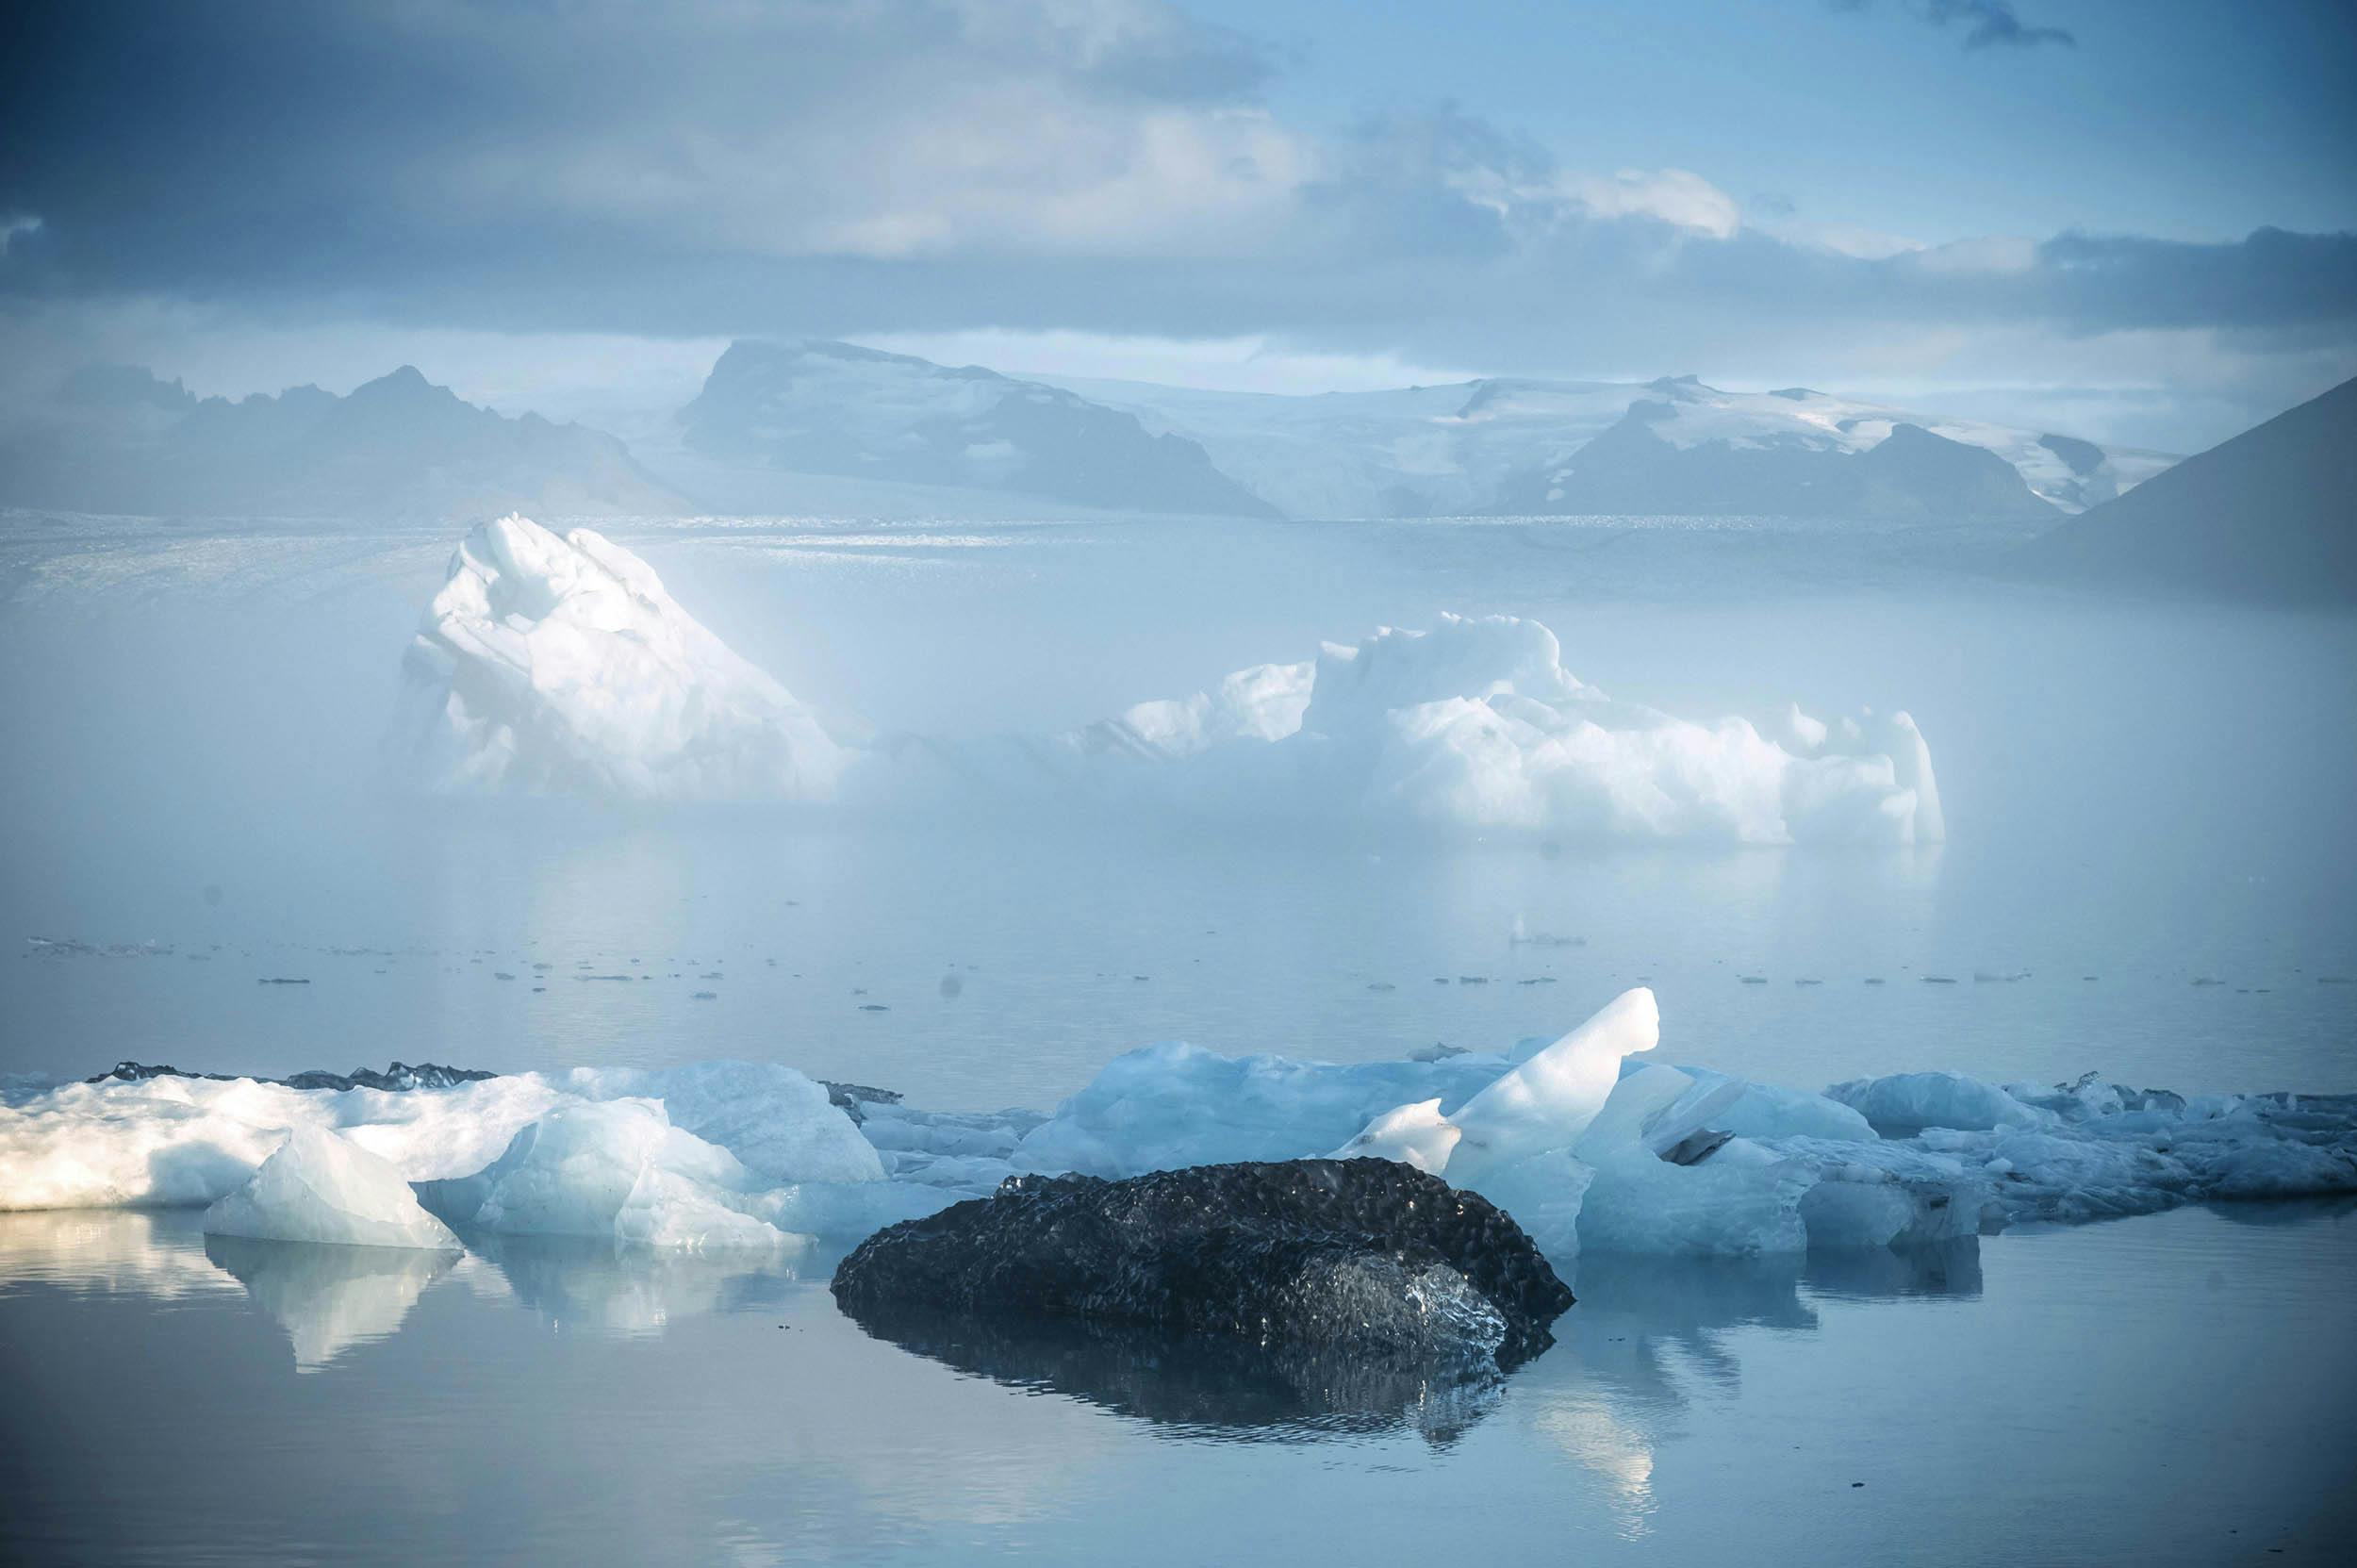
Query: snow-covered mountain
[1671, 446]
[119, 440]
[2267, 515]
[815, 407]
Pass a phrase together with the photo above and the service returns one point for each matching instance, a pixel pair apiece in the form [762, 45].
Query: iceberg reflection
[588, 1283]
[329, 1298]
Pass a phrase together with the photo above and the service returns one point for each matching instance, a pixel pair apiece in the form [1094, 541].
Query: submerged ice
[554, 664]
[1588, 1143]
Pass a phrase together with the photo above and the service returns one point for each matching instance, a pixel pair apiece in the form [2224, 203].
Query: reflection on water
[329, 1298]
[580, 1282]
[1205, 1386]
[714, 1408]
[108, 1251]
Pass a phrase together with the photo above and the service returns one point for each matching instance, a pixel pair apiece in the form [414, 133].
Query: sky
[2132, 221]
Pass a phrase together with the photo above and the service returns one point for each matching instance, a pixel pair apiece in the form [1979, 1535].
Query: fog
[2145, 792]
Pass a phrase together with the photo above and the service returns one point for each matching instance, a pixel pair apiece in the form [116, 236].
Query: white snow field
[1451, 449]
[318, 1187]
[1586, 1142]
[549, 665]
[560, 666]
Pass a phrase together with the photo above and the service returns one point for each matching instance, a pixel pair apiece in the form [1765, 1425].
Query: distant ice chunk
[1903, 1104]
[318, 1187]
[560, 664]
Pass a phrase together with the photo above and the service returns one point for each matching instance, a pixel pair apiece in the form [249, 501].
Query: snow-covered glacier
[1586, 1140]
[552, 665]
[549, 664]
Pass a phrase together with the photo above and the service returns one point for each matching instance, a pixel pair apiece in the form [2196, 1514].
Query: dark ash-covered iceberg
[1367, 1253]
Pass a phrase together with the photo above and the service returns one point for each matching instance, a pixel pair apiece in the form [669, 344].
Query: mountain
[815, 407]
[2270, 514]
[1532, 447]
[120, 440]
[1910, 474]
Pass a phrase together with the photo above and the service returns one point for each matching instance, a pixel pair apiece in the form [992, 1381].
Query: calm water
[2140, 797]
[2166, 1390]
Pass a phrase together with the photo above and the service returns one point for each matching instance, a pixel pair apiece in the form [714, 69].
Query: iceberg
[1591, 1148]
[170, 1140]
[1588, 1143]
[316, 1187]
[551, 665]
[1545, 1103]
[1476, 726]
[614, 1169]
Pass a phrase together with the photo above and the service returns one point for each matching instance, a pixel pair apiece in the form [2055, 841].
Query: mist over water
[2146, 793]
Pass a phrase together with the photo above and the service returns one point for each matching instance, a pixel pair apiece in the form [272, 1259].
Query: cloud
[1985, 24]
[14, 226]
[1673, 196]
[1992, 24]
[1108, 167]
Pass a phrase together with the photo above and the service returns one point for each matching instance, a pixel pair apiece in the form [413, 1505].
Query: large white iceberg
[560, 664]
[316, 1187]
[1473, 727]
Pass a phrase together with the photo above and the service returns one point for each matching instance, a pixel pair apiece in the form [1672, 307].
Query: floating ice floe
[1586, 1141]
[560, 664]
[551, 665]
[711, 1135]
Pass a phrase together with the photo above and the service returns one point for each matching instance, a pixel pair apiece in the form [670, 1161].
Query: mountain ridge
[398, 446]
[2265, 515]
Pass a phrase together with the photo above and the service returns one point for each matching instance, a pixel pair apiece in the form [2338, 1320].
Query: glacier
[552, 665]
[1590, 1142]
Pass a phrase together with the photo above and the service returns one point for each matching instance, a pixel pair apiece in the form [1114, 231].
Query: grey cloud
[904, 165]
[1983, 24]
